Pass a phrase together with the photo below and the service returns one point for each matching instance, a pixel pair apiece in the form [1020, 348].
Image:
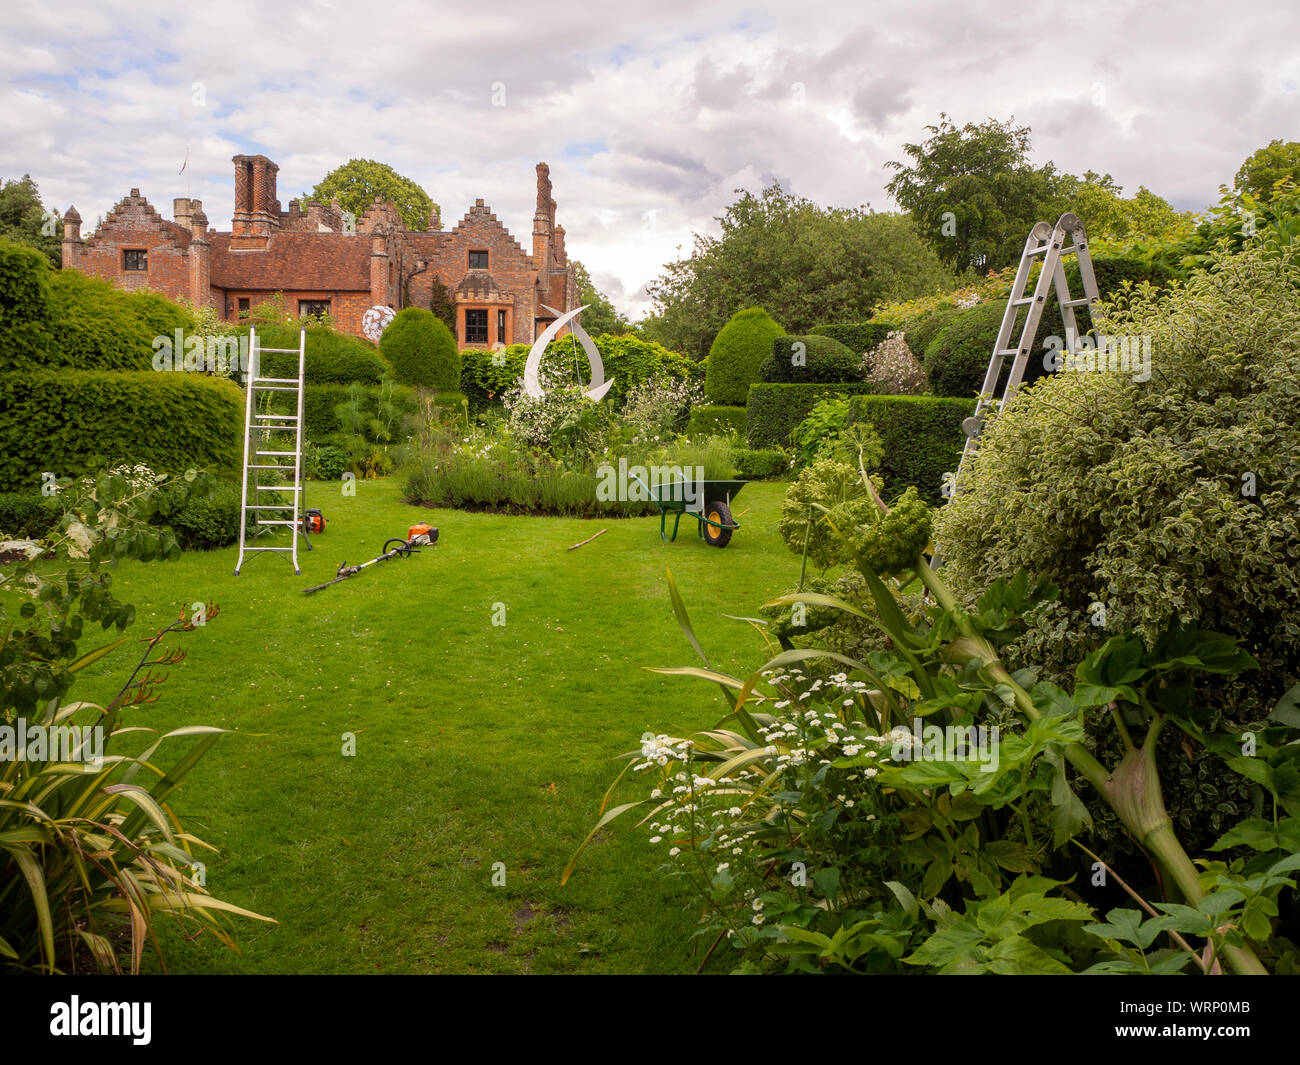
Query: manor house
[323, 260]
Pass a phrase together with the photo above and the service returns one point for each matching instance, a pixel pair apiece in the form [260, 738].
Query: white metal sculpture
[532, 369]
[375, 321]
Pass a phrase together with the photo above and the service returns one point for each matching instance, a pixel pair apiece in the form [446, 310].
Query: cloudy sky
[649, 114]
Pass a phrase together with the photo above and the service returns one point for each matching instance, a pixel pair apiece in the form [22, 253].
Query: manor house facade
[323, 260]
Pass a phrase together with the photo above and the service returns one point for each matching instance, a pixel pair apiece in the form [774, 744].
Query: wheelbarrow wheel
[719, 512]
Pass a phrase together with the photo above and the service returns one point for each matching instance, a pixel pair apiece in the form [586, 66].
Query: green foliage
[1109, 216]
[760, 464]
[23, 220]
[823, 434]
[486, 376]
[77, 420]
[92, 851]
[421, 350]
[209, 520]
[826, 493]
[811, 358]
[27, 515]
[804, 263]
[600, 315]
[359, 182]
[858, 337]
[921, 331]
[958, 357]
[1264, 168]
[921, 439]
[981, 176]
[324, 462]
[737, 354]
[776, 409]
[333, 358]
[1162, 500]
[707, 420]
[24, 286]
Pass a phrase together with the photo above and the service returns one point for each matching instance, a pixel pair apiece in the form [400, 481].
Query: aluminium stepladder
[262, 454]
[1050, 243]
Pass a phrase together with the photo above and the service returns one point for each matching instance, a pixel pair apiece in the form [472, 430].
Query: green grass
[475, 743]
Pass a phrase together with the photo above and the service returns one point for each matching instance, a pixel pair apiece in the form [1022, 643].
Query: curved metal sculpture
[532, 369]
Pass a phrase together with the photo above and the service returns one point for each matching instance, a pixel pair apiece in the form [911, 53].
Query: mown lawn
[475, 743]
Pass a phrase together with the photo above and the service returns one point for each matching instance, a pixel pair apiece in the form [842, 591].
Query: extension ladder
[262, 454]
[1050, 243]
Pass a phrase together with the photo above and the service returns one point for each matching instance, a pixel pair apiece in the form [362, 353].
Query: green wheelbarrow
[715, 523]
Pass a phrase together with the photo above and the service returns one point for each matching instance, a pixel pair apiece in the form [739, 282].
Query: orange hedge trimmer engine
[424, 533]
[313, 522]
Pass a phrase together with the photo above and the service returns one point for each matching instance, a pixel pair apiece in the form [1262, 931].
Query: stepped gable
[135, 214]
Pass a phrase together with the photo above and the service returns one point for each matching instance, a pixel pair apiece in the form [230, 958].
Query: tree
[421, 350]
[601, 316]
[1267, 166]
[357, 182]
[806, 264]
[1143, 217]
[973, 192]
[25, 220]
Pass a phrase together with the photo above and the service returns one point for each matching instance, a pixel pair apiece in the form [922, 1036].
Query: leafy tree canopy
[601, 316]
[24, 221]
[1267, 166]
[1109, 215]
[973, 192]
[808, 265]
[357, 182]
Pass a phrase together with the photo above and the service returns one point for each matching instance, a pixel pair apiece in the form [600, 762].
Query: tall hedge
[70, 422]
[958, 357]
[922, 330]
[858, 337]
[922, 438]
[811, 359]
[422, 350]
[332, 357]
[710, 420]
[775, 409]
[736, 355]
[319, 404]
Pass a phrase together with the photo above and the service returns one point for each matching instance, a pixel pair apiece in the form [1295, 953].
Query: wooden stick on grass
[586, 541]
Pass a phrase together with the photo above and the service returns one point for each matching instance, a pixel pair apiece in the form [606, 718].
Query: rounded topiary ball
[958, 357]
[736, 356]
[422, 350]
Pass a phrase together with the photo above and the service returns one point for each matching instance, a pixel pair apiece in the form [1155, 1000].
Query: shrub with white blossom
[893, 369]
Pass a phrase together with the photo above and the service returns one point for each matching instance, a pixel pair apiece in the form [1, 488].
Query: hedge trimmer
[417, 536]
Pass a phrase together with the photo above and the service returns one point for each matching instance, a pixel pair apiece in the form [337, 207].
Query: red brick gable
[135, 215]
[307, 261]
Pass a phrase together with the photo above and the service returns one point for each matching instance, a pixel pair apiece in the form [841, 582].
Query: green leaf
[1287, 710]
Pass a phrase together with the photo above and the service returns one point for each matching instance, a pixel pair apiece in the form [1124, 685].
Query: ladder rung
[278, 487]
[280, 351]
[277, 428]
[276, 521]
[1025, 301]
[275, 452]
[286, 469]
[1039, 250]
[268, 549]
[1082, 302]
[277, 417]
[275, 381]
[1008, 351]
[268, 506]
[274, 388]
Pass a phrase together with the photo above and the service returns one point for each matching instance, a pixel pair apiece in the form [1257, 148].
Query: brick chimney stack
[72, 242]
[257, 211]
[200, 256]
[544, 217]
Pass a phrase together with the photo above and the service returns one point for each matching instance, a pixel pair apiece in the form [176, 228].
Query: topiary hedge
[760, 464]
[421, 350]
[775, 409]
[72, 421]
[922, 438]
[921, 331]
[27, 515]
[858, 337]
[710, 420]
[811, 359]
[333, 358]
[736, 355]
[958, 357]
[485, 376]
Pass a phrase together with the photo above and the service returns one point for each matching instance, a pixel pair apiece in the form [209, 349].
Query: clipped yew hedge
[712, 420]
[73, 421]
[922, 438]
[775, 409]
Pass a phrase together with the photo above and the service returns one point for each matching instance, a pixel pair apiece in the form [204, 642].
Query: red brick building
[322, 259]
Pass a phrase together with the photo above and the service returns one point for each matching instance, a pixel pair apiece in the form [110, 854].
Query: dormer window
[478, 260]
[135, 259]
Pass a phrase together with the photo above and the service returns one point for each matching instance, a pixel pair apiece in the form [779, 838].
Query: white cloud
[649, 115]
